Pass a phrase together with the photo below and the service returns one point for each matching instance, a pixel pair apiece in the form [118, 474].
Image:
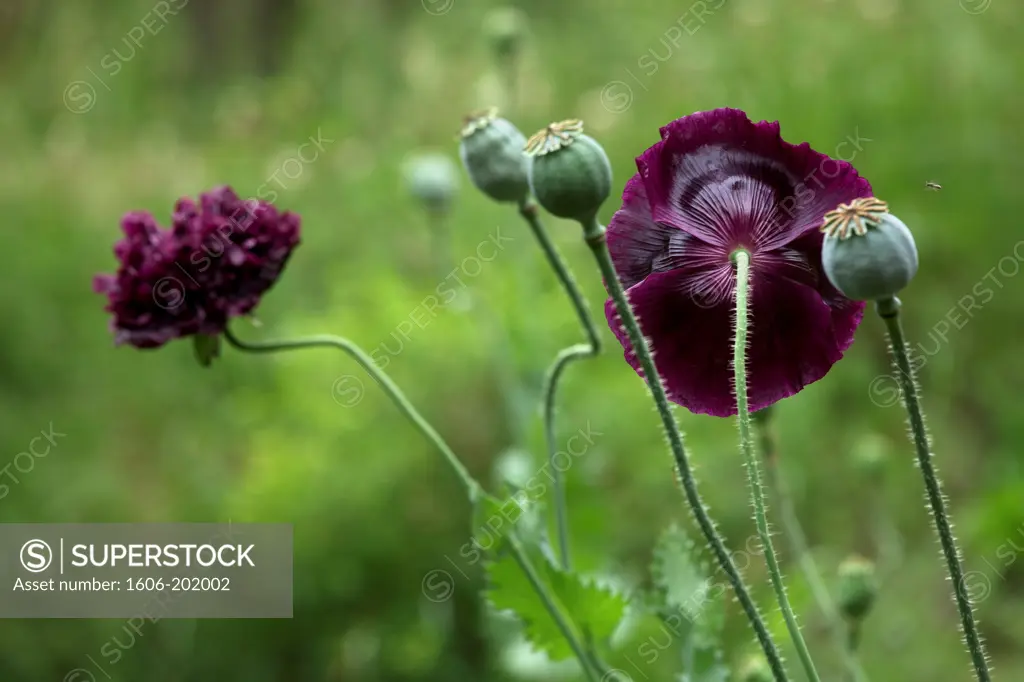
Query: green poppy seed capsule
[868, 253]
[755, 669]
[491, 150]
[432, 179]
[569, 173]
[858, 587]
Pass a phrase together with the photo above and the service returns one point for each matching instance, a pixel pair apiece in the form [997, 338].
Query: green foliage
[692, 604]
[685, 585]
[595, 611]
[151, 436]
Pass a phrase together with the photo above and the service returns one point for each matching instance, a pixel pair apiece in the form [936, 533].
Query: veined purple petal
[715, 183]
[640, 245]
[724, 179]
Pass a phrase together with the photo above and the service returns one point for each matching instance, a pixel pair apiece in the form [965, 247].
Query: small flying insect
[934, 186]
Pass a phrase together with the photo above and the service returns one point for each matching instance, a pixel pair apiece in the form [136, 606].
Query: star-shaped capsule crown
[477, 120]
[854, 218]
[554, 137]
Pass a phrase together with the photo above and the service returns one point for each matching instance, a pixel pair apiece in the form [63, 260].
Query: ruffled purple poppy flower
[214, 263]
[715, 183]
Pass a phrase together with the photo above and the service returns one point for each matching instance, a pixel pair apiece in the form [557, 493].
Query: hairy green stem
[514, 392]
[889, 310]
[528, 209]
[473, 489]
[853, 634]
[607, 674]
[798, 541]
[508, 64]
[741, 260]
[851, 642]
[886, 537]
[440, 241]
[594, 234]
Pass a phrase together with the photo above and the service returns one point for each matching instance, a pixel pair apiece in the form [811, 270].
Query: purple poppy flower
[717, 182]
[214, 263]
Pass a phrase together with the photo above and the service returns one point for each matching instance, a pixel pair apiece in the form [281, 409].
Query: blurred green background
[110, 106]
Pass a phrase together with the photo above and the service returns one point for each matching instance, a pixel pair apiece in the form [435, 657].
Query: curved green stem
[528, 210]
[594, 234]
[562, 360]
[741, 260]
[473, 489]
[801, 549]
[889, 310]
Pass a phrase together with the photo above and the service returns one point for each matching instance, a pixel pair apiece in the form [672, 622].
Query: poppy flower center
[735, 212]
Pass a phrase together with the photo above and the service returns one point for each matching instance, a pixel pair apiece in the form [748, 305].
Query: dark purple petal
[139, 226]
[795, 339]
[716, 183]
[219, 201]
[215, 262]
[731, 182]
[639, 245]
[102, 284]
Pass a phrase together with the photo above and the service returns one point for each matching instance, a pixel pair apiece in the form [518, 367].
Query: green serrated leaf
[686, 587]
[677, 571]
[596, 610]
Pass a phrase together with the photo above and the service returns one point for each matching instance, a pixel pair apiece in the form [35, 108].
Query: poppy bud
[858, 587]
[570, 174]
[869, 455]
[432, 180]
[868, 253]
[491, 150]
[505, 27]
[755, 669]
